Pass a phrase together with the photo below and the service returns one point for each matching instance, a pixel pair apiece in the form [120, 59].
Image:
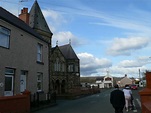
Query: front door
[22, 83]
[8, 85]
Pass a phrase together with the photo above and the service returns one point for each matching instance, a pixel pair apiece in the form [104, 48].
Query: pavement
[42, 107]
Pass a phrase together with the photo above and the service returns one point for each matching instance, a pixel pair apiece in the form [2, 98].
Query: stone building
[65, 69]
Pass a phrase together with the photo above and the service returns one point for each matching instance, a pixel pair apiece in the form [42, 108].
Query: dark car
[134, 86]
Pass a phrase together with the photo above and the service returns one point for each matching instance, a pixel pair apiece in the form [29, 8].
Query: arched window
[70, 68]
[63, 67]
[57, 65]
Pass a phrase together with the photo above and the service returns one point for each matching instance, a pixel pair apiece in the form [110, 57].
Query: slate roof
[100, 78]
[68, 52]
[12, 19]
[37, 20]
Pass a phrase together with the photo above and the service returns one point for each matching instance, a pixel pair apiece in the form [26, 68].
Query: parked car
[134, 86]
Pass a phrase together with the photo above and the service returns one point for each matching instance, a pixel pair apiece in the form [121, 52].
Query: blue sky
[107, 35]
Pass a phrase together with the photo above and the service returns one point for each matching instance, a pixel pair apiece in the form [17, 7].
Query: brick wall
[15, 104]
[145, 95]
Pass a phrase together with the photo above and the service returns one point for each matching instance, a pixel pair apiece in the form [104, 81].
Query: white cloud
[125, 46]
[54, 16]
[89, 64]
[139, 62]
[54, 19]
[121, 71]
[131, 71]
[131, 63]
[65, 37]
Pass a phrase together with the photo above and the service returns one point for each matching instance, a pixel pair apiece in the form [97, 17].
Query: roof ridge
[14, 20]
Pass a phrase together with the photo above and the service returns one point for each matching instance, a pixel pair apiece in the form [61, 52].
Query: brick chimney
[24, 15]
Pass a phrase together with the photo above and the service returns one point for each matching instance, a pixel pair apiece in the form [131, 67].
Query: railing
[41, 99]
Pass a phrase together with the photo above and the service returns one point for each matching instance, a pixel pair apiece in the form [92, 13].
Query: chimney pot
[24, 15]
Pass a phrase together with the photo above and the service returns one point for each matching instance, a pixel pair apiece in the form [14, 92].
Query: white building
[105, 81]
[142, 83]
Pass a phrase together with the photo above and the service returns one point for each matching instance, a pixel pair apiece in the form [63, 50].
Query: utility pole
[139, 75]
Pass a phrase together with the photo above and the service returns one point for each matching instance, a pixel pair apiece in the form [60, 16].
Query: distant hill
[87, 79]
[93, 79]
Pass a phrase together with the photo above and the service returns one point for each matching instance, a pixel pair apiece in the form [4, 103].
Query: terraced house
[24, 52]
[27, 60]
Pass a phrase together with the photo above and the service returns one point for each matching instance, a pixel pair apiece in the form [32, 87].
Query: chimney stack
[24, 15]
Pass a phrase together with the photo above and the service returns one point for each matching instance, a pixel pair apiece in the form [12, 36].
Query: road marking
[135, 110]
[139, 102]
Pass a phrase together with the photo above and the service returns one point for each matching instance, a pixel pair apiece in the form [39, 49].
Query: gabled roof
[125, 79]
[68, 52]
[12, 19]
[118, 78]
[100, 78]
[37, 20]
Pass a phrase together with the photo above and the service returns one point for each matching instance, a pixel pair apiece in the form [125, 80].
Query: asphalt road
[98, 103]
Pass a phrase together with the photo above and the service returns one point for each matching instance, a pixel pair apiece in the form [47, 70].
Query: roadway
[97, 103]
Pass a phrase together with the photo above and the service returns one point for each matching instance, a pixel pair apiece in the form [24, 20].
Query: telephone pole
[139, 75]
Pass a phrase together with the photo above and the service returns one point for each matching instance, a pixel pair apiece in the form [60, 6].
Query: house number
[1, 84]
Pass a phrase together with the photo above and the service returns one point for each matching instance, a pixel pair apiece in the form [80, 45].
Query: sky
[106, 35]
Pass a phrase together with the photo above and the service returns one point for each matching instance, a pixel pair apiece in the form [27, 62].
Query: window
[39, 81]
[4, 37]
[108, 79]
[63, 67]
[76, 68]
[70, 68]
[9, 71]
[57, 65]
[39, 52]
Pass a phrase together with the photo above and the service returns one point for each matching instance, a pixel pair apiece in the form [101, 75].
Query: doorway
[8, 85]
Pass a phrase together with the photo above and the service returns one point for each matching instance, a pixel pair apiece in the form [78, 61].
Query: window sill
[40, 91]
[4, 47]
[40, 63]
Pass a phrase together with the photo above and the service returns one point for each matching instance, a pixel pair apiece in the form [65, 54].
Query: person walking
[117, 99]
[128, 93]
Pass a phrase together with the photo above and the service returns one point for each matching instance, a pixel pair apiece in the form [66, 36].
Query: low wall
[15, 104]
[78, 92]
[147, 107]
